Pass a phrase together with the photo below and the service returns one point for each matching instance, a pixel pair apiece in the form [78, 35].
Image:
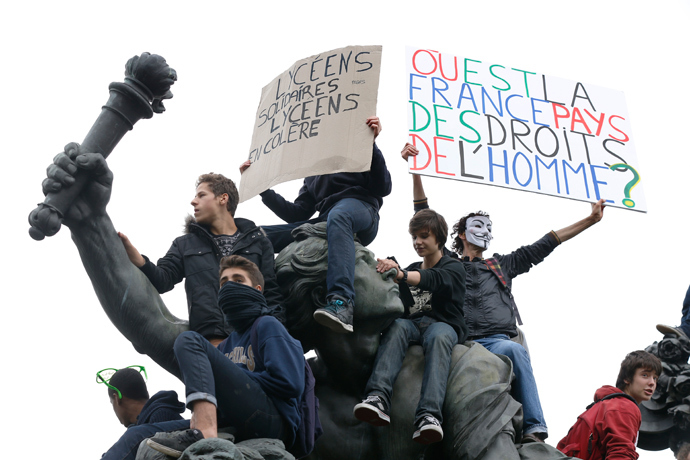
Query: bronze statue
[481, 417]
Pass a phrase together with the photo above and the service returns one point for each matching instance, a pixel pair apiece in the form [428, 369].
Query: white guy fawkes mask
[478, 231]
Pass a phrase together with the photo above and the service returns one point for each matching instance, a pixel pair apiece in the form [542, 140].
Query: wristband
[404, 278]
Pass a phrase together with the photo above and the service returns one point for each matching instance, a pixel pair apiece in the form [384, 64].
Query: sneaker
[669, 330]
[175, 445]
[373, 410]
[336, 315]
[429, 430]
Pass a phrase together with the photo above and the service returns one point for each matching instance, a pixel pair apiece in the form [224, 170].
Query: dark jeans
[126, 447]
[437, 339]
[685, 320]
[347, 217]
[210, 376]
[524, 385]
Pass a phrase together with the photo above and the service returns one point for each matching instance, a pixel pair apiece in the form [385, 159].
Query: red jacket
[608, 430]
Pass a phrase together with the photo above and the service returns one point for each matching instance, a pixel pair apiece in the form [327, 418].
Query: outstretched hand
[375, 124]
[133, 253]
[385, 265]
[409, 150]
[95, 195]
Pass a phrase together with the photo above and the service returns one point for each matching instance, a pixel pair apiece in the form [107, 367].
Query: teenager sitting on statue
[608, 429]
[432, 292]
[490, 310]
[349, 203]
[212, 233]
[230, 385]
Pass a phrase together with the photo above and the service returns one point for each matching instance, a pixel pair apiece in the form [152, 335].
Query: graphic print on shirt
[238, 356]
[422, 301]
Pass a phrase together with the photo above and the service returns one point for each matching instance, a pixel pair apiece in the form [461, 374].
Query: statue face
[376, 295]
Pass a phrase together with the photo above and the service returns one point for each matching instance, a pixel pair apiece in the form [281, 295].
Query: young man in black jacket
[432, 292]
[213, 233]
[349, 203]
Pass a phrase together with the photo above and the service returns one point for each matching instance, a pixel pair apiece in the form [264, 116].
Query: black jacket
[321, 193]
[195, 257]
[488, 305]
[446, 282]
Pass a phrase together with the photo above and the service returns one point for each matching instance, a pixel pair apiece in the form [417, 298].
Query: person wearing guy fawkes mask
[257, 392]
[490, 311]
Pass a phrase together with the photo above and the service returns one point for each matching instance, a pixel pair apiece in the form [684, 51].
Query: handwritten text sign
[311, 119]
[499, 125]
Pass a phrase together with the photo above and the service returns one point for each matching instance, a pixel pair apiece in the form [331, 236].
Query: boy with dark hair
[432, 292]
[143, 416]
[213, 232]
[255, 391]
[609, 427]
[349, 203]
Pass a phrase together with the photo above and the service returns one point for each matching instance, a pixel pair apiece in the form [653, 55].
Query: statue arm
[126, 295]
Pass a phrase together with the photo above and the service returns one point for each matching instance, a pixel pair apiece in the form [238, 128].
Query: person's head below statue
[301, 269]
[127, 393]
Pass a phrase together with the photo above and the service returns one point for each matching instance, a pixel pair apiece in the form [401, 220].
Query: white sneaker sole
[371, 415]
[331, 322]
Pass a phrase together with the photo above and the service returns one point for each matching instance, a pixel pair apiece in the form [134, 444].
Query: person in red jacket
[609, 427]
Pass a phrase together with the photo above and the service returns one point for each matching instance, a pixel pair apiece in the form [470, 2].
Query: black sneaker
[373, 410]
[336, 315]
[175, 445]
[428, 431]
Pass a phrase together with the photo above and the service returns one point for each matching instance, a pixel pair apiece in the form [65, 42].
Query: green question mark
[629, 186]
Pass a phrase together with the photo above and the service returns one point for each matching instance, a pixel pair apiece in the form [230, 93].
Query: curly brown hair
[219, 185]
[460, 227]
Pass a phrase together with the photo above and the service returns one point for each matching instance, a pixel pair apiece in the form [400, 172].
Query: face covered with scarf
[241, 305]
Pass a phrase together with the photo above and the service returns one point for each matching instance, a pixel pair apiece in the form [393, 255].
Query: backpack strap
[611, 396]
[495, 268]
[254, 341]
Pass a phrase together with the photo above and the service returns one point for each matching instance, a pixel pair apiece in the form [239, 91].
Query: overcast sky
[594, 299]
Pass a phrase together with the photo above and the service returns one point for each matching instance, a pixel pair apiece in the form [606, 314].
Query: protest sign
[311, 119]
[499, 125]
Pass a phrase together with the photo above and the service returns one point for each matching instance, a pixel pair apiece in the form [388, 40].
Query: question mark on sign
[629, 186]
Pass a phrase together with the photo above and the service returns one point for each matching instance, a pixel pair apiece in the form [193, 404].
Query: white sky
[595, 299]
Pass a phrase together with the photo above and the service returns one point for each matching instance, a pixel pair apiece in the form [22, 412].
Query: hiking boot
[336, 315]
[670, 330]
[373, 410]
[428, 431]
[177, 444]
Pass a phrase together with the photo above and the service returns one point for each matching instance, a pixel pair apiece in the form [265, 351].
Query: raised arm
[418, 195]
[575, 229]
[127, 297]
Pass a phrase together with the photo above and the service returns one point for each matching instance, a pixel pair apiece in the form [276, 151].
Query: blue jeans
[347, 217]
[437, 339]
[126, 447]
[685, 321]
[210, 376]
[524, 386]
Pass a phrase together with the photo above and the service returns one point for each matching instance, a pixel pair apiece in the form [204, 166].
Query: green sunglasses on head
[104, 376]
